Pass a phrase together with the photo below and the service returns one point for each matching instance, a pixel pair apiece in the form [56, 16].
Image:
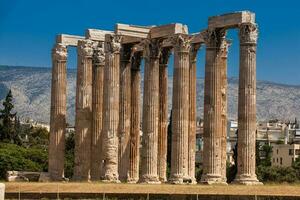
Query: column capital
[99, 55]
[136, 58]
[85, 48]
[164, 57]
[126, 53]
[248, 33]
[59, 52]
[193, 51]
[152, 48]
[112, 43]
[214, 38]
[181, 42]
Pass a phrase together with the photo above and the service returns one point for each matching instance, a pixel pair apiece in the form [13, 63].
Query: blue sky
[28, 28]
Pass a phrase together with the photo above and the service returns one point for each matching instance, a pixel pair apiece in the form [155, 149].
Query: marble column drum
[134, 152]
[125, 111]
[83, 118]
[192, 112]
[180, 111]
[111, 107]
[163, 114]
[247, 106]
[97, 105]
[212, 135]
[150, 113]
[58, 113]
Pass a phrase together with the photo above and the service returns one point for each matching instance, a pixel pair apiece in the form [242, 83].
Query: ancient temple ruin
[108, 105]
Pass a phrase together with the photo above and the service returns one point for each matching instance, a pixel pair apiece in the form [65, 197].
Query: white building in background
[285, 154]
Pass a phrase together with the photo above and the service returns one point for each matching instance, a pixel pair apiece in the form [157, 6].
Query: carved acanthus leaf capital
[112, 43]
[165, 55]
[85, 48]
[181, 43]
[59, 52]
[99, 55]
[248, 33]
[152, 48]
[194, 50]
[214, 38]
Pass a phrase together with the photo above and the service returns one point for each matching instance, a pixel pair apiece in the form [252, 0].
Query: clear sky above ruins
[28, 28]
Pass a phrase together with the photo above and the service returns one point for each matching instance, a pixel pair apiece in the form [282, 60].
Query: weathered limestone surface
[192, 112]
[111, 107]
[68, 40]
[231, 20]
[163, 114]
[97, 106]
[58, 112]
[134, 154]
[150, 112]
[180, 111]
[247, 106]
[83, 119]
[223, 65]
[212, 154]
[125, 114]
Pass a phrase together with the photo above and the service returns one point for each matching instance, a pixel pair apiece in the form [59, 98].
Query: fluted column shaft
[150, 113]
[192, 111]
[134, 153]
[125, 114]
[223, 65]
[83, 118]
[212, 155]
[58, 113]
[163, 115]
[97, 105]
[247, 106]
[111, 107]
[180, 111]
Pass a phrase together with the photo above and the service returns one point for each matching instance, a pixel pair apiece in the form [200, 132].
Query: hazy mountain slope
[31, 88]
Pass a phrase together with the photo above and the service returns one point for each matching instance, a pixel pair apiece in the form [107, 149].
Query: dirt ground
[276, 190]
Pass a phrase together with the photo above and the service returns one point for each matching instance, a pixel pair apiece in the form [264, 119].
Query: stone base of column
[110, 179]
[163, 179]
[246, 180]
[213, 179]
[179, 179]
[193, 181]
[148, 179]
[132, 180]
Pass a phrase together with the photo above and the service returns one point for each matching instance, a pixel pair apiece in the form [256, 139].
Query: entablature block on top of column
[132, 33]
[97, 34]
[68, 40]
[231, 20]
[165, 31]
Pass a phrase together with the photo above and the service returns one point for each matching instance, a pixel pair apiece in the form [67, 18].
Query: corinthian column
[192, 112]
[134, 152]
[223, 65]
[180, 110]
[212, 155]
[125, 97]
[97, 105]
[247, 106]
[163, 114]
[111, 107]
[58, 113]
[150, 113]
[83, 119]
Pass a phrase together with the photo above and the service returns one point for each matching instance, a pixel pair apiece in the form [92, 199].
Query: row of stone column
[107, 137]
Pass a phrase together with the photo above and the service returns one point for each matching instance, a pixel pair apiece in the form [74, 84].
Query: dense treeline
[25, 148]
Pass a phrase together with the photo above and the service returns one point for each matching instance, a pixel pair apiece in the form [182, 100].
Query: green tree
[169, 145]
[7, 129]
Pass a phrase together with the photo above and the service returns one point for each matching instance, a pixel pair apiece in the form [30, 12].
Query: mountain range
[31, 89]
